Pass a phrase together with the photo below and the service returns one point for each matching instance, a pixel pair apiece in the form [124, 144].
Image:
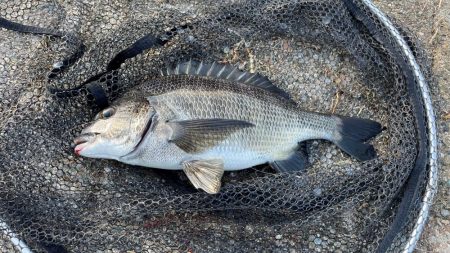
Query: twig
[436, 25]
[251, 58]
[446, 116]
[338, 96]
[436, 30]
[359, 112]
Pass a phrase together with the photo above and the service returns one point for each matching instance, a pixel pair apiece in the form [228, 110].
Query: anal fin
[205, 174]
[296, 162]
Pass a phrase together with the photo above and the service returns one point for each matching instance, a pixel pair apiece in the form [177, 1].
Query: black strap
[412, 184]
[94, 88]
[99, 94]
[62, 65]
[59, 66]
[13, 26]
[146, 42]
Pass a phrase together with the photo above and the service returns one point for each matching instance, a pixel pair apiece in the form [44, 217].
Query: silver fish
[207, 118]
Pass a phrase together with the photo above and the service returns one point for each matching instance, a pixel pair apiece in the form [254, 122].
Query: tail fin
[353, 132]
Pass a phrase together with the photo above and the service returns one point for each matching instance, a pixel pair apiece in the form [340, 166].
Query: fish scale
[275, 135]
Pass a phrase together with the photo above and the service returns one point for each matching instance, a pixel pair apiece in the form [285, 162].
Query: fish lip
[83, 138]
[80, 141]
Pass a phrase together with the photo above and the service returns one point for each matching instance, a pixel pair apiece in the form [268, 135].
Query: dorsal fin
[227, 72]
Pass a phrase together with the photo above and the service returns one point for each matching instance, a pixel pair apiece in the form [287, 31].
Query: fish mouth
[80, 142]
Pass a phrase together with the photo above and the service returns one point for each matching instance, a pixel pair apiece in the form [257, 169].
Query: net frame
[432, 182]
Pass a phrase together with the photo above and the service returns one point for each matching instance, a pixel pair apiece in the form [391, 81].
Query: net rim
[431, 187]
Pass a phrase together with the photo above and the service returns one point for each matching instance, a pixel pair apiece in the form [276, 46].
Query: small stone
[318, 241]
[445, 213]
[249, 229]
[317, 192]
[326, 20]
[226, 50]
[278, 237]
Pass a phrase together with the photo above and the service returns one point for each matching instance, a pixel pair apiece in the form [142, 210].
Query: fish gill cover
[330, 56]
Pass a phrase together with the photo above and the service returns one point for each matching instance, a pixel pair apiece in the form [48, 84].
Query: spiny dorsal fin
[227, 72]
[196, 135]
[205, 174]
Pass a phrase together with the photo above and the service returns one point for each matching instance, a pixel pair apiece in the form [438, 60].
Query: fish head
[116, 131]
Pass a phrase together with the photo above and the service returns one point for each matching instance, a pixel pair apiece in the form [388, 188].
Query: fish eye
[107, 113]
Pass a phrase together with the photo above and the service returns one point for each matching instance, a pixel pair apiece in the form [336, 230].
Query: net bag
[62, 61]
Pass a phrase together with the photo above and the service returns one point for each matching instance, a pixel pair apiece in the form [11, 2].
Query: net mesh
[316, 50]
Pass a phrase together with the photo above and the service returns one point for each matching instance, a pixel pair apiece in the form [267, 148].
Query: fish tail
[352, 133]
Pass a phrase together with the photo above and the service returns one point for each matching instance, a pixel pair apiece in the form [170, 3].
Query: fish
[207, 118]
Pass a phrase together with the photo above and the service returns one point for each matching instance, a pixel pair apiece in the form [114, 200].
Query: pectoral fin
[205, 174]
[197, 135]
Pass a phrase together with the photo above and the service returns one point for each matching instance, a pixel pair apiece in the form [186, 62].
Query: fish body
[207, 118]
[275, 131]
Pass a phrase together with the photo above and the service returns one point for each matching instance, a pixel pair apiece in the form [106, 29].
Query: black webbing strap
[13, 26]
[94, 88]
[62, 65]
[59, 66]
[412, 184]
[99, 94]
[146, 42]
